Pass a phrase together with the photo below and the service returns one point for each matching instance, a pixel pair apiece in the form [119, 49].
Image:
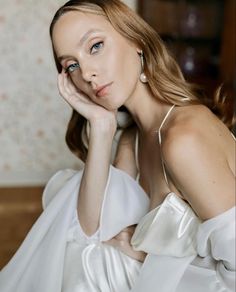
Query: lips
[102, 90]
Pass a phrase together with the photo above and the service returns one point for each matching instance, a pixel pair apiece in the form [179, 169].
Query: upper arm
[199, 168]
[125, 154]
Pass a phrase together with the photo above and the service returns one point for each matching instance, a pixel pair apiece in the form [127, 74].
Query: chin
[111, 107]
[113, 104]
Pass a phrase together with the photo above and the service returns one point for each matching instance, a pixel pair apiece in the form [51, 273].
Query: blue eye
[96, 47]
[72, 67]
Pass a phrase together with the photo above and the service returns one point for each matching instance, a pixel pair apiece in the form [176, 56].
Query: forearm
[125, 154]
[95, 177]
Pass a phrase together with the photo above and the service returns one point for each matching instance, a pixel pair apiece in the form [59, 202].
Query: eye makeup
[71, 68]
[96, 47]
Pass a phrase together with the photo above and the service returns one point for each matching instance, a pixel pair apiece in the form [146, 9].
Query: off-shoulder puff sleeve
[124, 201]
[124, 204]
[42, 252]
[216, 238]
[55, 183]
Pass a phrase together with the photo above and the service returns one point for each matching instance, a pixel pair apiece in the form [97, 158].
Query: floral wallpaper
[33, 117]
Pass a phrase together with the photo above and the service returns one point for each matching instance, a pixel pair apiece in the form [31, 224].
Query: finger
[70, 96]
[59, 82]
[127, 249]
[113, 242]
[61, 86]
[65, 83]
[72, 91]
[76, 100]
[69, 86]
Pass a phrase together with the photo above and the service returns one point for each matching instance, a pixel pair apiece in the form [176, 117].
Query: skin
[199, 160]
[101, 64]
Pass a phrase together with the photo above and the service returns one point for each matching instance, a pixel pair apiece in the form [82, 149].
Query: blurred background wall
[33, 117]
[201, 35]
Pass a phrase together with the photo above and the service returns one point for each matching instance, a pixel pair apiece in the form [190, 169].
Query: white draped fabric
[184, 254]
[51, 251]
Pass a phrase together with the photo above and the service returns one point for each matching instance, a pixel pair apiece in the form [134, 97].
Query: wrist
[103, 127]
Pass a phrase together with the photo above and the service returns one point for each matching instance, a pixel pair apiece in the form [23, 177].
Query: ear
[139, 51]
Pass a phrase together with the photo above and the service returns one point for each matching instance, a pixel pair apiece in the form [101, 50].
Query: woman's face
[101, 62]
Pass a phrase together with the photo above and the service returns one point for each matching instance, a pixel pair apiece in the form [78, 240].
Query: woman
[109, 59]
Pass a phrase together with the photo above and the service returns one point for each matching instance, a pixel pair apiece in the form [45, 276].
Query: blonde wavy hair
[165, 79]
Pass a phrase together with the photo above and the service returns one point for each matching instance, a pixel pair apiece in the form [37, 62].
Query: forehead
[74, 24]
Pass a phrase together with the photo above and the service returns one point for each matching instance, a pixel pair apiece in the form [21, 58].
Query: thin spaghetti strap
[163, 122]
[159, 138]
[136, 154]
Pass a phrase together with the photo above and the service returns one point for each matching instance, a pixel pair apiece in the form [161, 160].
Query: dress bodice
[92, 265]
[185, 253]
[169, 229]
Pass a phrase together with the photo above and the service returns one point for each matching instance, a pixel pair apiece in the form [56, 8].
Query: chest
[152, 178]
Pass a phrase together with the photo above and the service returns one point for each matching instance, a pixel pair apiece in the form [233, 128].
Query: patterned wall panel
[33, 117]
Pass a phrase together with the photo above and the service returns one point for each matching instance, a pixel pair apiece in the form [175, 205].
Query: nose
[88, 71]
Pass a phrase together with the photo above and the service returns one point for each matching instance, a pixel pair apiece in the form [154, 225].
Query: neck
[147, 111]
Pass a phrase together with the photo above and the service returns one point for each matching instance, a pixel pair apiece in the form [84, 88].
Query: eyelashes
[71, 68]
[93, 50]
[96, 47]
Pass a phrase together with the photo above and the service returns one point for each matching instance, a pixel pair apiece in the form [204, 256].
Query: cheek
[129, 62]
[79, 82]
[76, 79]
[130, 70]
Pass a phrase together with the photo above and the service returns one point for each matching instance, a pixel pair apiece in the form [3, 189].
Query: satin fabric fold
[38, 265]
[98, 267]
[185, 254]
[170, 229]
[39, 260]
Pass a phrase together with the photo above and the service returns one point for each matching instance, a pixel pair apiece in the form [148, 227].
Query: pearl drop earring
[143, 77]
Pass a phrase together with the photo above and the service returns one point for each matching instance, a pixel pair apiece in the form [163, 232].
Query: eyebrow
[81, 41]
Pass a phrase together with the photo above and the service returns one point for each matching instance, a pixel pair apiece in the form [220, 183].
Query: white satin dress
[57, 256]
[93, 266]
[184, 253]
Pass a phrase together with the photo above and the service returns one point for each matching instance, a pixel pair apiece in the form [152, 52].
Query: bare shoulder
[196, 156]
[194, 129]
